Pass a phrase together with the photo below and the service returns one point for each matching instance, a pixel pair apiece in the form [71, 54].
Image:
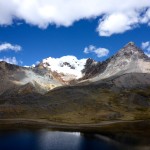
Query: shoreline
[105, 126]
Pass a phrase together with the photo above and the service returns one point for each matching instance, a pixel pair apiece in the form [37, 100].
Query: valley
[115, 90]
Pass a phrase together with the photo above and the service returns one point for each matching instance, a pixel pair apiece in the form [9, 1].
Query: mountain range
[78, 91]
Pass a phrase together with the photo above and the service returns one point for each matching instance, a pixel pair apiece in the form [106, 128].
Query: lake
[56, 140]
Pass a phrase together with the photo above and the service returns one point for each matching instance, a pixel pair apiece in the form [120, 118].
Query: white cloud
[146, 17]
[8, 46]
[117, 23]
[146, 47]
[100, 52]
[89, 49]
[117, 16]
[9, 60]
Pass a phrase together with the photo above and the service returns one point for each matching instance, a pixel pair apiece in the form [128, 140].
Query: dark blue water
[47, 140]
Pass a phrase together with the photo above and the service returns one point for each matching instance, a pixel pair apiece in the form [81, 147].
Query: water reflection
[59, 140]
[48, 140]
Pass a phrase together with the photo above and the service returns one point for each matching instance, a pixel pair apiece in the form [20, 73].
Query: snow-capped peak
[67, 65]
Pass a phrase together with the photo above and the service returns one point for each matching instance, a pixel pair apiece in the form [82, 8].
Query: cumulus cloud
[117, 23]
[146, 47]
[146, 17]
[115, 18]
[8, 46]
[100, 52]
[10, 60]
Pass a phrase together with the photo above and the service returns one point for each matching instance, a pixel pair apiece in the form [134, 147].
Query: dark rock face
[93, 68]
[67, 64]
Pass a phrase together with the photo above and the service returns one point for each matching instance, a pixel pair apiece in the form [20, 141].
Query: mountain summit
[127, 60]
[131, 51]
[66, 68]
[54, 72]
[89, 91]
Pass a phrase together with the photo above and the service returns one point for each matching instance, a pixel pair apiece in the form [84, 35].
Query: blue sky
[38, 41]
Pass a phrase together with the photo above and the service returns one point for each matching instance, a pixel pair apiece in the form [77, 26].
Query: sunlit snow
[66, 65]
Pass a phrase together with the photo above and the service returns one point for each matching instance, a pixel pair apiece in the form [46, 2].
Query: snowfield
[67, 65]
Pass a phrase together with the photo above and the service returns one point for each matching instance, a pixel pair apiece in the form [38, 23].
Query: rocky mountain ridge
[51, 73]
[13, 76]
[129, 59]
[116, 89]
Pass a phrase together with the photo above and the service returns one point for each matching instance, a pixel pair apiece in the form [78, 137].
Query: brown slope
[90, 103]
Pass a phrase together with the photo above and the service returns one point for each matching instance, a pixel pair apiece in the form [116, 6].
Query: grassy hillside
[79, 104]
